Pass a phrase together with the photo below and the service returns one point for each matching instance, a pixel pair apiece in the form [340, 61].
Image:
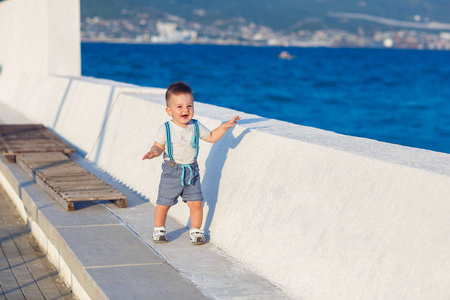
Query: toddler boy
[179, 140]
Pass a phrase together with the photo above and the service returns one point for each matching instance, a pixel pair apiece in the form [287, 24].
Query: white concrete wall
[322, 215]
[40, 37]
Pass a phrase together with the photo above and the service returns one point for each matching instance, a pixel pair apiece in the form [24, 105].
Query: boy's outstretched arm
[218, 133]
[155, 151]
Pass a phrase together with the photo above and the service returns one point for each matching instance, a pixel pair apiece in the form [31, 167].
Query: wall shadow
[61, 104]
[101, 136]
[213, 173]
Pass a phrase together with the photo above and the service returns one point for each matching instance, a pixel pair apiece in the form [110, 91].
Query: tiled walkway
[25, 272]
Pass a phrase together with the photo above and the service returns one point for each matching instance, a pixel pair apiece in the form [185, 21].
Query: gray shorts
[179, 181]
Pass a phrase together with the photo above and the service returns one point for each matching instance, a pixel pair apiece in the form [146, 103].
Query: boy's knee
[162, 208]
[195, 204]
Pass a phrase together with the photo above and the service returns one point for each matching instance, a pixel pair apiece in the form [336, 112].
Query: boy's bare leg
[196, 208]
[161, 215]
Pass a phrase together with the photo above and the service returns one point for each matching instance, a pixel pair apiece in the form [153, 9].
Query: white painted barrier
[40, 37]
[322, 215]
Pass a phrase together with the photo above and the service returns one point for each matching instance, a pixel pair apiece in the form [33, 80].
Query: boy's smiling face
[181, 109]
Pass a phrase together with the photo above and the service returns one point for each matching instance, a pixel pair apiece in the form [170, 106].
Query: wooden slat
[92, 194]
[86, 189]
[60, 172]
[45, 156]
[76, 184]
[72, 178]
[72, 198]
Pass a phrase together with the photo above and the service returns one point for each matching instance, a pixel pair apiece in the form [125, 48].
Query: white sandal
[159, 235]
[197, 237]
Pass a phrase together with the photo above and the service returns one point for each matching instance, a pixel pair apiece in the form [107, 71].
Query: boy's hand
[155, 151]
[231, 123]
[150, 154]
[217, 133]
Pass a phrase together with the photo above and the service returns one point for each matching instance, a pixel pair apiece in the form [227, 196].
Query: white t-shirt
[182, 141]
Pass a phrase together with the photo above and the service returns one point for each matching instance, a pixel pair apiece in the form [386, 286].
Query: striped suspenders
[197, 137]
[195, 145]
[169, 139]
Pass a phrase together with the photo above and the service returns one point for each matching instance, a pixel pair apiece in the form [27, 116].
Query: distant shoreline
[134, 42]
[130, 41]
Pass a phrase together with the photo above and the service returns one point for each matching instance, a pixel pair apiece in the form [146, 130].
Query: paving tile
[12, 289]
[8, 279]
[33, 293]
[97, 246]
[159, 281]
[85, 214]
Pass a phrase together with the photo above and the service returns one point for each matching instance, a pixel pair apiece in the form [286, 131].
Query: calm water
[396, 96]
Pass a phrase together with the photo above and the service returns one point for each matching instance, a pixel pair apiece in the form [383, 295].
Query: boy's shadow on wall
[213, 169]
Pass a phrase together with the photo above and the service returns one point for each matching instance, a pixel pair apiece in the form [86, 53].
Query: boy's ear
[168, 111]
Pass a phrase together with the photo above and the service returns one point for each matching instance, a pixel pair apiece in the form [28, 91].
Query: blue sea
[395, 96]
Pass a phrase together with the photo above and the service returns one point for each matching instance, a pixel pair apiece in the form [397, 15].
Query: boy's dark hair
[177, 88]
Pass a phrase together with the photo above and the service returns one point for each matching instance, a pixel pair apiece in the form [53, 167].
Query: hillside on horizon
[281, 15]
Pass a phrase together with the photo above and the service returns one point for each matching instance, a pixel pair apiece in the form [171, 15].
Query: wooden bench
[44, 157]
